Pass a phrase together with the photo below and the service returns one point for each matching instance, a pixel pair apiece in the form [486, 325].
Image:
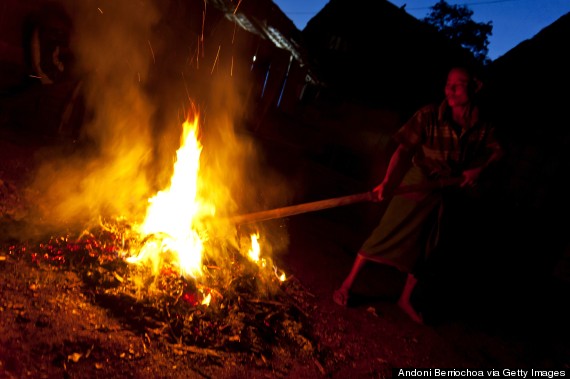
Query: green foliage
[456, 23]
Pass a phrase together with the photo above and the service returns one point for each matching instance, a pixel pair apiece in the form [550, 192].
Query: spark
[233, 41]
[203, 23]
[151, 51]
[193, 55]
[216, 60]
[186, 87]
[237, 6]
[100, 10]
[234, 33]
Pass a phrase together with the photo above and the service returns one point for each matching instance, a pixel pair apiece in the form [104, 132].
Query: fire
[207, 299]
[172, 213]
[174, 232]
[254, 254]
[255, 249]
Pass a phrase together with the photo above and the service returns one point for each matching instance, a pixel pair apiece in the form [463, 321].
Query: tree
[455, 22]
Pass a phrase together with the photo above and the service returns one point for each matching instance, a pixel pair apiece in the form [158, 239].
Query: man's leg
[404, 300]
[341, 295]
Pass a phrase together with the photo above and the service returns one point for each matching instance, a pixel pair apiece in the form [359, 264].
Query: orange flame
[173, 230]
[172, 212]
[255, 249]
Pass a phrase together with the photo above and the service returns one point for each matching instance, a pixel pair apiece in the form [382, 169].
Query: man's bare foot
[340, 296]
[410, 311]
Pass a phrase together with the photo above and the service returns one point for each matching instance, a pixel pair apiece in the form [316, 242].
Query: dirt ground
[52, 324]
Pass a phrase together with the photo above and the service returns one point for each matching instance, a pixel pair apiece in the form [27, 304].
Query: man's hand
[382, 191]
[399, 160]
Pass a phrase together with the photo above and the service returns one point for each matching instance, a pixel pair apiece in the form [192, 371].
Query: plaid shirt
[438, 148]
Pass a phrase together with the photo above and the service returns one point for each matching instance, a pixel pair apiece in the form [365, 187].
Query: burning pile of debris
[168, 266]
[180, 280]
[241, 310]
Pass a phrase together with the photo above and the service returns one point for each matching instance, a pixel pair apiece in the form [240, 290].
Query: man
[439, 142]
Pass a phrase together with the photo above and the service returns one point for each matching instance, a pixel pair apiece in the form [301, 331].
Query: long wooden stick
[336, 202]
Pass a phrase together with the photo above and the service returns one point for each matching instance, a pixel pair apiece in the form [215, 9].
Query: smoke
[143, 66]
[106, 172]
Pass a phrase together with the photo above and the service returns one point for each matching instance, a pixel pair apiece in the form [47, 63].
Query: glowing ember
[207, 299]
[281, 277]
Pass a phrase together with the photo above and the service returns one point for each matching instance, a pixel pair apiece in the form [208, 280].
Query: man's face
[457, 88]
